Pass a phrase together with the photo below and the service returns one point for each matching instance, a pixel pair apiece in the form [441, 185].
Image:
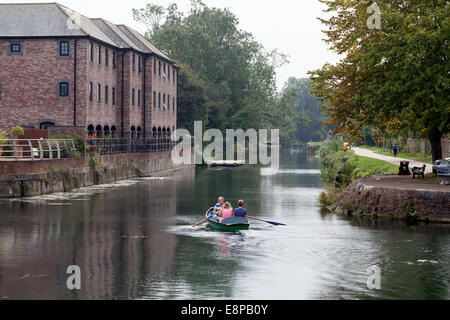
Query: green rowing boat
[233, 224]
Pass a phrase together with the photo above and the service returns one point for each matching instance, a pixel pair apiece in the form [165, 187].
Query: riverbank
[39, 177]
[368, 186]
[395, 197]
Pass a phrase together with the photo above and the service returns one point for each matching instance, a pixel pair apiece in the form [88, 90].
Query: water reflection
[134, 240]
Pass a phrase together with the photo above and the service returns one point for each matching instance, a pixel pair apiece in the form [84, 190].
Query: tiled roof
[56, 20]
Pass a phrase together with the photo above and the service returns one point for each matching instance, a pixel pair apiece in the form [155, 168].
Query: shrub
[16, 132]
[67, 152]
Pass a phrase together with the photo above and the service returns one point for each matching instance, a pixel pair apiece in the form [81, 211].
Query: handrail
[20, 149]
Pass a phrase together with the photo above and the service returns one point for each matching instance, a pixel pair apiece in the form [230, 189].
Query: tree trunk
[435, 138]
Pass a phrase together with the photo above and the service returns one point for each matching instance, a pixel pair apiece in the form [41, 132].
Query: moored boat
[232, 224]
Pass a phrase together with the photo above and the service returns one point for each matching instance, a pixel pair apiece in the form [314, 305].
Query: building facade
[59, 68]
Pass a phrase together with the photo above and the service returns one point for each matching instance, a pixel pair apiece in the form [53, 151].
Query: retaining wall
[30, 178]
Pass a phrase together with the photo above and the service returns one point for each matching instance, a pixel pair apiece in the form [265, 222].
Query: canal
[134, 240]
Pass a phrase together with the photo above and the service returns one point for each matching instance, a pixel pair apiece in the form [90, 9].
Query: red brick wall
[103, 114]
[29, 84]
[163, 118]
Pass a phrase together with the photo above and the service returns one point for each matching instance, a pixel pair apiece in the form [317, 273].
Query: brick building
[60, 68]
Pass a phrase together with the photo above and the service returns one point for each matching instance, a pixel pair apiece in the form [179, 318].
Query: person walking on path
[395, 148]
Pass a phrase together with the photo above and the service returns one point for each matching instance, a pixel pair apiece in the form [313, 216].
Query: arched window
[46, 124]
[106, 131]
[91, 130]
[98, 129]
[139, 132]
[113, 131]
[133, 132]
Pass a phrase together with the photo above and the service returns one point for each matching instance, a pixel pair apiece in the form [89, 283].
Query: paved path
[412, 163]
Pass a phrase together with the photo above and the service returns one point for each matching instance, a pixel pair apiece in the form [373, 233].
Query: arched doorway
[98, 130]
[113, 131]
[106, 131]
[139, 132]
[90, 131]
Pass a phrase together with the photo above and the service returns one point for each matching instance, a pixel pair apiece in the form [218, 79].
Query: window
[173, 104]
[99, 93]
[133, 97]
[160, 68]
[164, 102]
[168, 102]
[159, 100]
[92, 52]
[164, 71]
[154, 67]
[106, 57]
[139, 64]
[114, 59]
[63, 89]
[154, 99]
[168, 71]
[91, 91]
[99, 55]
[106, 94]
[113, 96]
[173, 78]
[16, 48]
[64, 48]
[139, 98]
[134, 62]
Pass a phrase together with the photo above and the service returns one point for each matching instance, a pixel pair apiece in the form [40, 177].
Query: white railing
[23, 149]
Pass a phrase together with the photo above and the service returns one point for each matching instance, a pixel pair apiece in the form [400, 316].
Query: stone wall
[362, 198]
[30, 178]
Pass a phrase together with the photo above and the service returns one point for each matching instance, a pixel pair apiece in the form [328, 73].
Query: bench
[417, 171]
[444, 172]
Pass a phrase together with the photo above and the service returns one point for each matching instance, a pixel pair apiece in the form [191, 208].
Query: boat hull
[229, 225]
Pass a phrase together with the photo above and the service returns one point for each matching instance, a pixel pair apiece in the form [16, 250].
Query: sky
[290, 26]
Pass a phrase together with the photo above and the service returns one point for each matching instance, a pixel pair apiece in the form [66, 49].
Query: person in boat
[240, 210]
[219, 205]
[225, 213]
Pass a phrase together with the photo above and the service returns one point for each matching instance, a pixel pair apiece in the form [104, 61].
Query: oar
[200, 222]
[271, 222]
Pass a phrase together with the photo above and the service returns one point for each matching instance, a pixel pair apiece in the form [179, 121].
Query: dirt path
[412, 163]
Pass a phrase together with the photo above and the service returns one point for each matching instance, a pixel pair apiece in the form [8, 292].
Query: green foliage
[392, 79]
[227, 78]
[67, 152]
[310, 118]
[16, 132]
[94, 161]
[411, 215]
[3, 136]
[334, 159]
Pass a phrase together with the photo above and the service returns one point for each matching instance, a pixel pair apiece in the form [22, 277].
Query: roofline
[87, 35]
[97, 40]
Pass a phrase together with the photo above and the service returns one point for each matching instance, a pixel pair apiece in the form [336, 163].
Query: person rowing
[219, 206]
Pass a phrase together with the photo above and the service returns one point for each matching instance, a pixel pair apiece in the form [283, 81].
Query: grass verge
[418, 156]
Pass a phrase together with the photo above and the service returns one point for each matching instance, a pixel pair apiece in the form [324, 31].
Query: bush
[16, 132]
[67, 152]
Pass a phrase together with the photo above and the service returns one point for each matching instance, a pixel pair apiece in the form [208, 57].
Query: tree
[233, 73]
[393, 78]
[307, 108]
